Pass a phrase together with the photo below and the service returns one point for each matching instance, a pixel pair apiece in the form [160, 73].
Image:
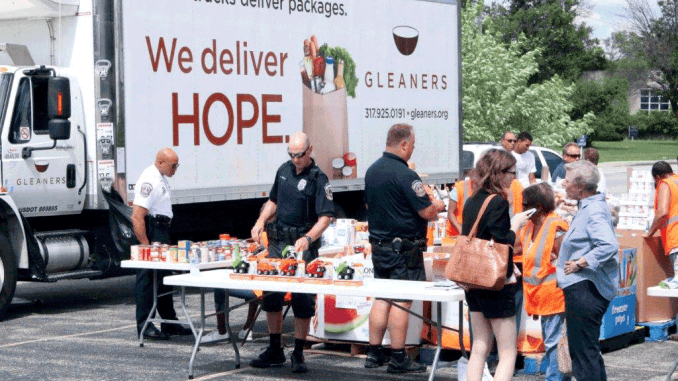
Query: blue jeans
[220, 297]
[551, 327]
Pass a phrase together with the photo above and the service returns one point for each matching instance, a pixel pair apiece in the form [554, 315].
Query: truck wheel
[8, 275]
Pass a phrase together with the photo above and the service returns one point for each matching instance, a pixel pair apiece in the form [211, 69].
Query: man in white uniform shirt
[525, 165]
[151, 219]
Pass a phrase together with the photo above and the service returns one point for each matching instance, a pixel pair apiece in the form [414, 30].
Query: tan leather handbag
[478, 263]
[564, 359]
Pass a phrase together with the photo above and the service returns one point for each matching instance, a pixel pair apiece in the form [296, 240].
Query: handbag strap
[480, 214]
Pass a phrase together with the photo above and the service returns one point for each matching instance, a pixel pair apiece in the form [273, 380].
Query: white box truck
[90, 90]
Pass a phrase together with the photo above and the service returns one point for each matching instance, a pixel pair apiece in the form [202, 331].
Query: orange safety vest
[515, 198]
[540, 288]
[669, 232]
[464, 190]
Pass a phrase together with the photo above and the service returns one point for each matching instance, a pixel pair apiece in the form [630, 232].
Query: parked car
[543, 156]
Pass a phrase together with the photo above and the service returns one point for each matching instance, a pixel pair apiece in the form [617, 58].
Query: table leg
[234, 340]
[153, 309]
[673, 369]
[183, 308]
[439, 327]
[196, 347]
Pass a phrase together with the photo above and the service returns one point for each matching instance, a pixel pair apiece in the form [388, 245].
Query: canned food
[204, 253]
[220, 254]
[134, 253]
[164, 250]
[155, 253]
[173, 256]
[144, 253]
[194, 255]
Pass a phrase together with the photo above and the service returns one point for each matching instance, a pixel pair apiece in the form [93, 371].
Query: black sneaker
[407, 366]
[270, 357]
[298, 365]
[373, 360]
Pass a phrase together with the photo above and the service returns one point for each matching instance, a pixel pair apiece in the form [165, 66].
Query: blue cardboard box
[620, 316]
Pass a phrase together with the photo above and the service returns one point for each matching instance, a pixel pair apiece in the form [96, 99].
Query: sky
[605, 16]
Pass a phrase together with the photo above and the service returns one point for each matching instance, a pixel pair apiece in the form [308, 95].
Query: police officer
[398, 210]
[151, 218]
[301, 200]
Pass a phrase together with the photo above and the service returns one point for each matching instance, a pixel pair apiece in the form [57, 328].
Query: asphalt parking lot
[85, 330]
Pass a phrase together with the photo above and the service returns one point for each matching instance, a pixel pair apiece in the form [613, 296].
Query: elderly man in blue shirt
[587, 270]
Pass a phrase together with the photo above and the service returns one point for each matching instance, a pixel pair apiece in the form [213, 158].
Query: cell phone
[530, 212]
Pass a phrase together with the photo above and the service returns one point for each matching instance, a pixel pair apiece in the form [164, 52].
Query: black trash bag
[120, 221]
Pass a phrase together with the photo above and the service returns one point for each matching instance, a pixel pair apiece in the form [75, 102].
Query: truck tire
[8, 275]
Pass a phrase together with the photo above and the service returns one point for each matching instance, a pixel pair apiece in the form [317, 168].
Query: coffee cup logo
[405, 38]
[41, 165]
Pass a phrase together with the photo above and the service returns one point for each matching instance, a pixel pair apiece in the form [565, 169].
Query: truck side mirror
[59, 129]
[59, 98]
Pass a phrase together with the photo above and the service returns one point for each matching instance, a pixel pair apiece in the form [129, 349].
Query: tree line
[528, 65]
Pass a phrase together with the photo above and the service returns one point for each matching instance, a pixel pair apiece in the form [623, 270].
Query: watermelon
[340, 320]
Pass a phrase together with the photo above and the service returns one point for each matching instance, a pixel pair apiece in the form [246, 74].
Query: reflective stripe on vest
[531, 275]
[669, 232]
[540, 287]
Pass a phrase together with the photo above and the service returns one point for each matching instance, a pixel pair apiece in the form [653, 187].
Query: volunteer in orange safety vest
[539, 242]
[666, 215]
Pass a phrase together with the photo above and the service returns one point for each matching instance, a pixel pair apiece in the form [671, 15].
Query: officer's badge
[328, 192]
[301, 185]
[418, 188]
[146, 189]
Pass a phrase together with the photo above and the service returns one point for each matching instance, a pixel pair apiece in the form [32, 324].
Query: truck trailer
[91, 90]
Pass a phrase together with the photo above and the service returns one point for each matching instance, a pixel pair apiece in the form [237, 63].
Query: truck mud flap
[36, 264]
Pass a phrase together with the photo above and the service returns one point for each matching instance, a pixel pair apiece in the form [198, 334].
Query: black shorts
[303, 305]
[493, 304]
[407, 265]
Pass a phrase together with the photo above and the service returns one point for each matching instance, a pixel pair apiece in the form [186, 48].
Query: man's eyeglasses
[511, 140]
[174, 166]
[576, 155]
[297, 155]
[511, 172]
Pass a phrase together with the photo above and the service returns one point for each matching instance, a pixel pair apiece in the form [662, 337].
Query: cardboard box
[620, 316]
[347, 317]
[653, 266]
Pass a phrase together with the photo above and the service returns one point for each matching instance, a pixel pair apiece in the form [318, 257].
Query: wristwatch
[309, 239]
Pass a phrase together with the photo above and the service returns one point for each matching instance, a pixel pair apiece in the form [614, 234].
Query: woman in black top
[493, 311]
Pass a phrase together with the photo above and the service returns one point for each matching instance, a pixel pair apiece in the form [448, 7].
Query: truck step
[56, 233]
[78, 274]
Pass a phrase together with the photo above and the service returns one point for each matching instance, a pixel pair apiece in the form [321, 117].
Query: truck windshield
[5, 86]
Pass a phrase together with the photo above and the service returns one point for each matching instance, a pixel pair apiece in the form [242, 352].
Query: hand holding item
[256, 232]
[302, 244]
[520, 219]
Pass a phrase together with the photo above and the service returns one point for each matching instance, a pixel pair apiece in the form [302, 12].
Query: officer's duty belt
[159, 220]
[288, 234]
[407, 243]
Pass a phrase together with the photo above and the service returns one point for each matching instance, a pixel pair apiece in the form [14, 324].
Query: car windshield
[5, 86]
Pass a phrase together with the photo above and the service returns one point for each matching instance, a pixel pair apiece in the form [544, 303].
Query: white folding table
[666, 293]
[155, 266]
[377, 288]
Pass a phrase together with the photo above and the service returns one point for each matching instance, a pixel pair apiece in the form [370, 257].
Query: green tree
[607, 100]
[497, 96]
[566, 49]
[657, 44]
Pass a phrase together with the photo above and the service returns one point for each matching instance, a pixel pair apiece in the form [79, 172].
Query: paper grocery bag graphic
[325, 121]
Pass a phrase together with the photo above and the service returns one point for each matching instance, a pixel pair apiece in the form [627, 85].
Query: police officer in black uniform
[398, 211]
[301, 200]
[151, 219]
